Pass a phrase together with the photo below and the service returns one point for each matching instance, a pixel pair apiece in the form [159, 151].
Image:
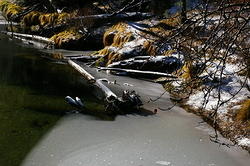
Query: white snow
[231, 89]
[197, 100]
[178, 56]
[130, 46]
[244, 142]
[112, 48]
[133, 30]
[157, 58]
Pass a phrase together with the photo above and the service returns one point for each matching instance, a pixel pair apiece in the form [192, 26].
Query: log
[108, 93]
[29, 37]
[83, 72]
[160, 64]
[139, 72]
[114, 103]
[83, 58]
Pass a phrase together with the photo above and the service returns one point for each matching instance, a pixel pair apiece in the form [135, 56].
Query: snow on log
[108, 93]
[83, 58]
[138, 72]
[163, 64]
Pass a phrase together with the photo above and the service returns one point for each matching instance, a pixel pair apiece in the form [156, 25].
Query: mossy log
[75, 39]
[66, 38]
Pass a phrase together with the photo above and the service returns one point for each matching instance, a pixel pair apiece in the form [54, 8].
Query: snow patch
[229, 88]
[244, 142]
[130, 46]
[197, 100]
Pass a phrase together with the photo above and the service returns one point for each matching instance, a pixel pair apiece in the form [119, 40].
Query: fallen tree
[137, 73]
[42, 42]
[114, 104]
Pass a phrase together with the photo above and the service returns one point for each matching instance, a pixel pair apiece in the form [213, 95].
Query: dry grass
[65, 37]
[9, 9]
[243, 113]
[150, 48]
[117, 35]
[42, 19]
[186, 72]
[120, 34]
[172, 21]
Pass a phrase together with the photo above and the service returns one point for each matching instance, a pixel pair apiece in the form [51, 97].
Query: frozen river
[173, 138]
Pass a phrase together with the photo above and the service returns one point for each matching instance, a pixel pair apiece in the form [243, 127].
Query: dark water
[32, 91]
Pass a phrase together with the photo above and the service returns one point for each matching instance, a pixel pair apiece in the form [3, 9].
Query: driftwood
[108, 93]
[113, 103]
[83, 58]
[131, 72]
[83, 72]
[49, 43]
